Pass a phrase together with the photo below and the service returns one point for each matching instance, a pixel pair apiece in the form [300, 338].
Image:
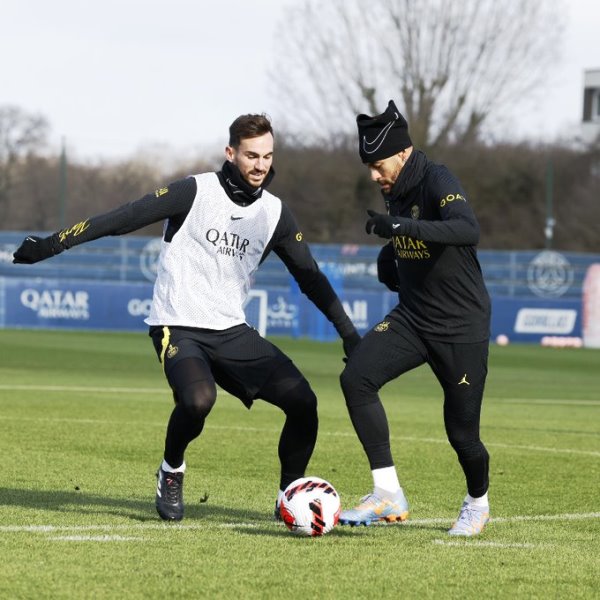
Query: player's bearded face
[386, 171]
[253, 157]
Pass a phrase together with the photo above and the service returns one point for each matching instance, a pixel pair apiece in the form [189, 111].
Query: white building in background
[590, 128]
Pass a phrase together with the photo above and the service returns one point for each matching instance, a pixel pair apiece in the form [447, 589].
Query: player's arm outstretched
[289, 245]
[164, 203]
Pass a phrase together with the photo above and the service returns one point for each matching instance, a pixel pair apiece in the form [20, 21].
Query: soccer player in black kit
[442, 318]
[218, 228]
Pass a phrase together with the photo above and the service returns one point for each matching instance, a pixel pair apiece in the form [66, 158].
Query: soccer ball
[310, 506]
[502, 340]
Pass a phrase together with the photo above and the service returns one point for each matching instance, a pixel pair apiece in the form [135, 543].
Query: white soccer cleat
[471, 520]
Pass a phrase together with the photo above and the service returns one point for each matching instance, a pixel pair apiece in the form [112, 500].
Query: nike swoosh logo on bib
[236, 218]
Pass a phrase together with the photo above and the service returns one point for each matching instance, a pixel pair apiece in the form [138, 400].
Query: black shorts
[240, 360]
[393, 347]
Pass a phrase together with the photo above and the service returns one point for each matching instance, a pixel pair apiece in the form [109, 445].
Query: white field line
[82, 421]
[544, 449]
[124, 527]
[126, 390]
[425, 440]
[576, 402]
[502, 445]
[406, 438]
[486, 544]
[593, 453]
[82, 388]
[513, 519]
[166, 390]
[140, 527]
[96, 538]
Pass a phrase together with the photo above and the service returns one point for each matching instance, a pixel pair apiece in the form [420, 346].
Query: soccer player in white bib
[218, 228]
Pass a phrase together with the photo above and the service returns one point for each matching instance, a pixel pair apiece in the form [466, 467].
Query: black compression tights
[289, 390]
[195, 393]
[461, 418]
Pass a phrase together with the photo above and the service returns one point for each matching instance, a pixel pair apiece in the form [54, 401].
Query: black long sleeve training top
[172, 205]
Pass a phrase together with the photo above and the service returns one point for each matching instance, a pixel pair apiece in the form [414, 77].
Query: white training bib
[204, 273]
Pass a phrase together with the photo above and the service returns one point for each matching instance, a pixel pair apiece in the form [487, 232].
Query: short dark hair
[249, 126]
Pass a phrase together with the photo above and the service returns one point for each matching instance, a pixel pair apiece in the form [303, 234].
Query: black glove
[33, 249]
[350, 343]
[382, 225]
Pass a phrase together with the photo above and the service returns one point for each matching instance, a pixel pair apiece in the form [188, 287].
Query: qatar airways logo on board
[57, 304]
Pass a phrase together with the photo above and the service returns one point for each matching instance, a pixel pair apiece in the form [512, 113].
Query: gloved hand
[350, 343]
[382, 225]
[33, 249]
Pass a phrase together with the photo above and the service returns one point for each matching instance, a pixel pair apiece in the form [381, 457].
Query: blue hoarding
[54, 303]
[107, 284]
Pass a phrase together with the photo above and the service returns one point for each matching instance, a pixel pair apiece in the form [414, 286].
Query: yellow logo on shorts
[464, 381]
[299, 236]
[172, 351]
[383, 326]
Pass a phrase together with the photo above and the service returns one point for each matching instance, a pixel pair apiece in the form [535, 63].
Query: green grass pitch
[82, 421]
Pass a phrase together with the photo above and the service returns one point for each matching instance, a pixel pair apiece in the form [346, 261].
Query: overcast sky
[114, 76]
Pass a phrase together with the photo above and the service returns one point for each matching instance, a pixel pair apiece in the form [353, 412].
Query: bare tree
[20, 134]
[450, 64]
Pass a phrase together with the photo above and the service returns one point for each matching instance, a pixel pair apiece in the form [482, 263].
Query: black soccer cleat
[169, 495]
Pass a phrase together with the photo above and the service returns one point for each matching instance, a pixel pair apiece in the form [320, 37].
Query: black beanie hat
[383, 135]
